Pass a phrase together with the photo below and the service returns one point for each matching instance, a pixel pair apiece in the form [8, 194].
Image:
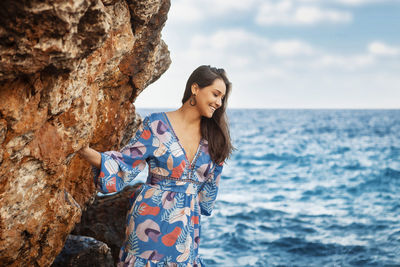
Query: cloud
[232, 47]
[292, 13]
[253, 59]
[362, 2]
[241, 49]
[234, 41]
[200, 10]
[343, 63]
[372, 57]
[267, 12]
[228, 38]
[354, 2]
[185, 11]
[291, 48]
[381, 49]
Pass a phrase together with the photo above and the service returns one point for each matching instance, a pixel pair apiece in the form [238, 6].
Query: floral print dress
[163, 223]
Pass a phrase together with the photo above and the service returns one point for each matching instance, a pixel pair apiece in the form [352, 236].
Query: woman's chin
[208, 115]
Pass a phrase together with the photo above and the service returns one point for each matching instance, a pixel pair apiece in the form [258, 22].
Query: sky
[285, 54]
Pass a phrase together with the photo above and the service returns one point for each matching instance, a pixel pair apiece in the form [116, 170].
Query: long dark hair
[215, 129]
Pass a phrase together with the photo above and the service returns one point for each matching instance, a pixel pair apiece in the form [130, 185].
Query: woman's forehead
[219, 85]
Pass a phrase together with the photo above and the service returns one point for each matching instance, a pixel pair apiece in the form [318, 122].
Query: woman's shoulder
[153, 120]
[153, 116]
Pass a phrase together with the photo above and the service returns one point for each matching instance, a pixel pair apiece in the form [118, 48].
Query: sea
[307, 187]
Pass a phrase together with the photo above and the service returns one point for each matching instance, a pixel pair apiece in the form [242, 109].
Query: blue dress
[163, 222]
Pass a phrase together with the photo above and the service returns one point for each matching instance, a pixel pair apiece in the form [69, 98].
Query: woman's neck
[188, 117]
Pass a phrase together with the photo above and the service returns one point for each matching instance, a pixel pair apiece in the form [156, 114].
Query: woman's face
[210, 97]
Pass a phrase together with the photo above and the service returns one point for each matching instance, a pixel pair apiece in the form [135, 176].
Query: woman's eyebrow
[219, 91]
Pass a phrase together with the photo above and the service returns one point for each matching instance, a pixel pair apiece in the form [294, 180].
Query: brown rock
[84, 251]
[69, 72]
[105, 219]
[50, 34]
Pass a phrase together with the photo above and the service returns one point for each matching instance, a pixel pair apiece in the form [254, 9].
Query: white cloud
[241, 49]
[226, 6]
[362, 2]
[185, 12]
[343, 63]
[200, 10]
[255, 56]
[382, 49]
[239, 41]
[289, 12]
[269, 12]
[291, 48]
[356, 62]
[230, 38]
[273, 72]
[311, 15]
[288, 66]
[354, 2]
[348, 2]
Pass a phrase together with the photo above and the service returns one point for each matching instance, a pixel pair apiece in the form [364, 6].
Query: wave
[386, 180]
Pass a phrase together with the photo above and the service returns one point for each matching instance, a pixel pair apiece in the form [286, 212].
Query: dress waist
[173, 184]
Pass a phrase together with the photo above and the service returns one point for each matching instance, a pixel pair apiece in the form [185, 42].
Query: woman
[185, 150]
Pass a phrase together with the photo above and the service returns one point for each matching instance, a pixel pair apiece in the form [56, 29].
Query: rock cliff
[69, 72]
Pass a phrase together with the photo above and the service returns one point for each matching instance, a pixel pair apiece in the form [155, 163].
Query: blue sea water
[307, 188]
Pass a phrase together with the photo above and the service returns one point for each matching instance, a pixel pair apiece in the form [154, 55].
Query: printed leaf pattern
[170, 162]
[163, 224]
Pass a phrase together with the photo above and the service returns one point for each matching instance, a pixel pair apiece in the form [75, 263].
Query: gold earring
[194, 99]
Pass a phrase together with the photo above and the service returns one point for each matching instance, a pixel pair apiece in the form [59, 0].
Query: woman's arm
[113, 170]
[209, 190]
[91, 155]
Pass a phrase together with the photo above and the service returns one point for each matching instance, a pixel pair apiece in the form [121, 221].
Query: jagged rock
[52, 34]
[84, 251]
[105, 219]
[69, 72]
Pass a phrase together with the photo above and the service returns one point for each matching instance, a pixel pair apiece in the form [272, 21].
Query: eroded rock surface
[105, 219]
[69, 72]
[84, 251]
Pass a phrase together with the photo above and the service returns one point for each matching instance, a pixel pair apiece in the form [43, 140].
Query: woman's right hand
[91, 155]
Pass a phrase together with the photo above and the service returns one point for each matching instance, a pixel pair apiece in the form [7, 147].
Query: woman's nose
[219, 102]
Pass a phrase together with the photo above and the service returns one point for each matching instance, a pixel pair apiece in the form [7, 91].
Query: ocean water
[308, 188]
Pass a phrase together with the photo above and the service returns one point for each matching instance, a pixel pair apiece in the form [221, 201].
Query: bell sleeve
[209, 190]
[119, 168]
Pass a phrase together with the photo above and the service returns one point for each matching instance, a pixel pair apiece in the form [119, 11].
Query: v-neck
[177, 139]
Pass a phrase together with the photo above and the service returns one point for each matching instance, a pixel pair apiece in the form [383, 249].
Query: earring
[194, 99]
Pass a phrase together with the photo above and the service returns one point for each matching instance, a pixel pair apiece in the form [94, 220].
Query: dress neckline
[177, 139]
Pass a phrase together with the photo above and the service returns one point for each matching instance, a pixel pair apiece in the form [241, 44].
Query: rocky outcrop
[105, 219]
[84, 251]
[69, 72]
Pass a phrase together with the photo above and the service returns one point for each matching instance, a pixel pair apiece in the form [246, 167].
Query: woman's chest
[184, 156]
[189, 141]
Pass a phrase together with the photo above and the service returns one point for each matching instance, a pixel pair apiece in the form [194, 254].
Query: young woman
[185, 150]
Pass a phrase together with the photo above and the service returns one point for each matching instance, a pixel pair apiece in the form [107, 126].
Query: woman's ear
[195, 88]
